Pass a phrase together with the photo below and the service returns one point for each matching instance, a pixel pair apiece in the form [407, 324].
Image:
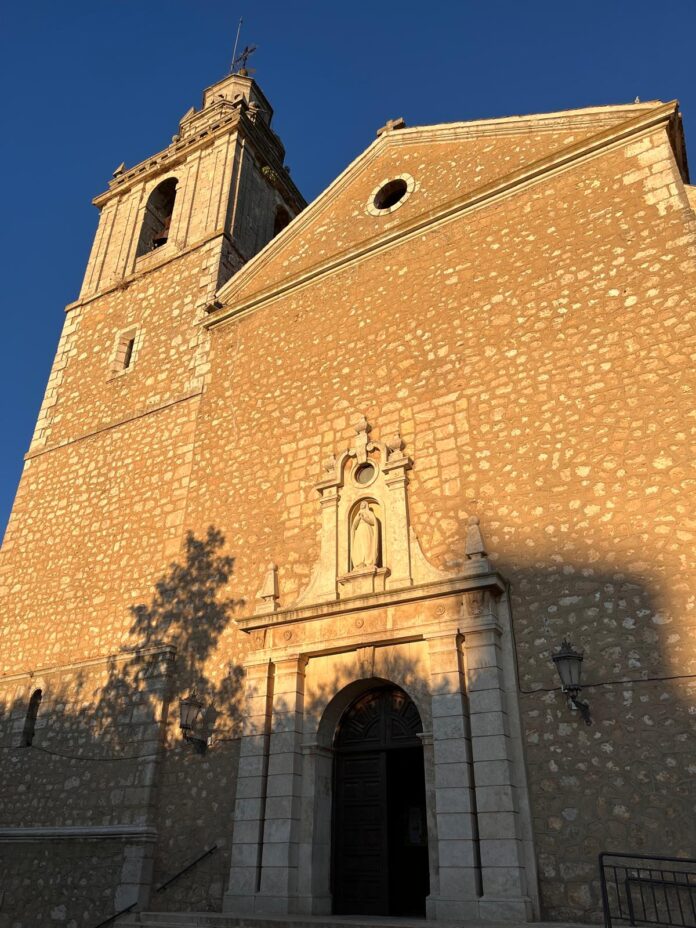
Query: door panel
[360, 851]
[380, 851]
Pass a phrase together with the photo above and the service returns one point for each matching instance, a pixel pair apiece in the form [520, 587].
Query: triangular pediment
[441, 164]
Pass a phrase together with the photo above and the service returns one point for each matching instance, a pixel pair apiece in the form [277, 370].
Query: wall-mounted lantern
[568, 663]
[190, 708]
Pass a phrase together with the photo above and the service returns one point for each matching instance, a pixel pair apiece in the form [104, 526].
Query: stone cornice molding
[263, 140]
[476, 575]
[40, 833]
[125, 282]
[165, 650]
[564, 158]
[140, 414]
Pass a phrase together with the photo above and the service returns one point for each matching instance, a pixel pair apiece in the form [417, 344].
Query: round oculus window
[390, 194]
[365, 473]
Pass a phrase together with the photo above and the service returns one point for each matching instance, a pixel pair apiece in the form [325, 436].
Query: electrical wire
[585, 686]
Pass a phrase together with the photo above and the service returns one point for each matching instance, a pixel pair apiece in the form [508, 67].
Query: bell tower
[172, 229]
[222, 177]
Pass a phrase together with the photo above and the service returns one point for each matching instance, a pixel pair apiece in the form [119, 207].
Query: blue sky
[91, 83]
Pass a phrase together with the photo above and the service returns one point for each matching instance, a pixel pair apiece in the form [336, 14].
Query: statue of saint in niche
[364, 538]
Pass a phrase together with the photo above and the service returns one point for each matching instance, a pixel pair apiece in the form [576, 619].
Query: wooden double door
[380, 843]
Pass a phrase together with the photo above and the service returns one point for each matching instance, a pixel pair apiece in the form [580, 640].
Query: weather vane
[240, 61]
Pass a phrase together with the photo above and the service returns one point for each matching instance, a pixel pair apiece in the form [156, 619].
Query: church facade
[317, 493]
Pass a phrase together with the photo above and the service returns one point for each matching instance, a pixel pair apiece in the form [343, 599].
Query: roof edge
[647, 117]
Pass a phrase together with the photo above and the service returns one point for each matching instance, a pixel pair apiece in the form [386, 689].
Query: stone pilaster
[455, 815]
[250, 803]
[503, 876]
[396, 481]
[280, 857]
[314, 875]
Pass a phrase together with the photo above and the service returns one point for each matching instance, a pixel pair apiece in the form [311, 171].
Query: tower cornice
[231, 118]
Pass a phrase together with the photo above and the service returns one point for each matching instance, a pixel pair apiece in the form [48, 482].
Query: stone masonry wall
[535, 355]
[61, 883]
[76, 817]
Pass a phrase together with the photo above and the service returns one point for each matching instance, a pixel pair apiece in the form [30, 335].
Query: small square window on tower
[125, 350]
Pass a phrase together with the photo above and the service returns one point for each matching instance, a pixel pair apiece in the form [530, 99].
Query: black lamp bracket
[579, 705]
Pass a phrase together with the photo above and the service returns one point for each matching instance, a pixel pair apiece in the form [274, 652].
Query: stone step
[215, 920]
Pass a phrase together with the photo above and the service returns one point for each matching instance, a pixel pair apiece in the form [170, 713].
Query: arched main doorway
[380, 843]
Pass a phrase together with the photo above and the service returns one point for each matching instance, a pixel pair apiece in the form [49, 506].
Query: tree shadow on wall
[585, 781]
[107, 751]
[171, 643]
[176, 636]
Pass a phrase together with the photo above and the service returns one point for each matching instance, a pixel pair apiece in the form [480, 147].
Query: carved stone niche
[365, 543]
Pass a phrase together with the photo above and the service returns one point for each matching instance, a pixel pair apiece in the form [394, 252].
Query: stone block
[280, 807]
[498, 798]
[275, 881]
[281, 854]
[458, 882]
[488, 723]
[283, 784]
[290, 763]
[454, 825]
[486, 700]
[446, 704]
[452, 775]
[244, 855]
[452, 750]
[449, 727]
[480, 657]
[493, 747]
[454, 799]
[249, 788]
[484, 678]
[247, 832]
[496, 852]
[251, 766]
[242, 881]
[504, 882]
[278, 830]
[459, 852]
[248, 808]
[498, 825]
[493, 772]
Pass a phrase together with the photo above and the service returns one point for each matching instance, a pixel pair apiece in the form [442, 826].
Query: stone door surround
[447, 643]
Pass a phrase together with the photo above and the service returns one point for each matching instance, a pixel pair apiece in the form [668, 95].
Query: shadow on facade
[626, 781]
[107, 750]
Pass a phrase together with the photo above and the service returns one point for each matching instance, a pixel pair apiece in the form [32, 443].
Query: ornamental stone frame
[445, 639]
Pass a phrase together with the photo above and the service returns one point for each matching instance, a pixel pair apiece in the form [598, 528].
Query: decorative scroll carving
[367, 546]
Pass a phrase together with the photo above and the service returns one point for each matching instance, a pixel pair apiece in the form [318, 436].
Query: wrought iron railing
[112, 918]
[189, 866]
[162, 886]
[642, 890]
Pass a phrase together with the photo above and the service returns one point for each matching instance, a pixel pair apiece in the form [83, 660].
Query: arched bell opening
[281, 219]
[379, 824]
[154, 231]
